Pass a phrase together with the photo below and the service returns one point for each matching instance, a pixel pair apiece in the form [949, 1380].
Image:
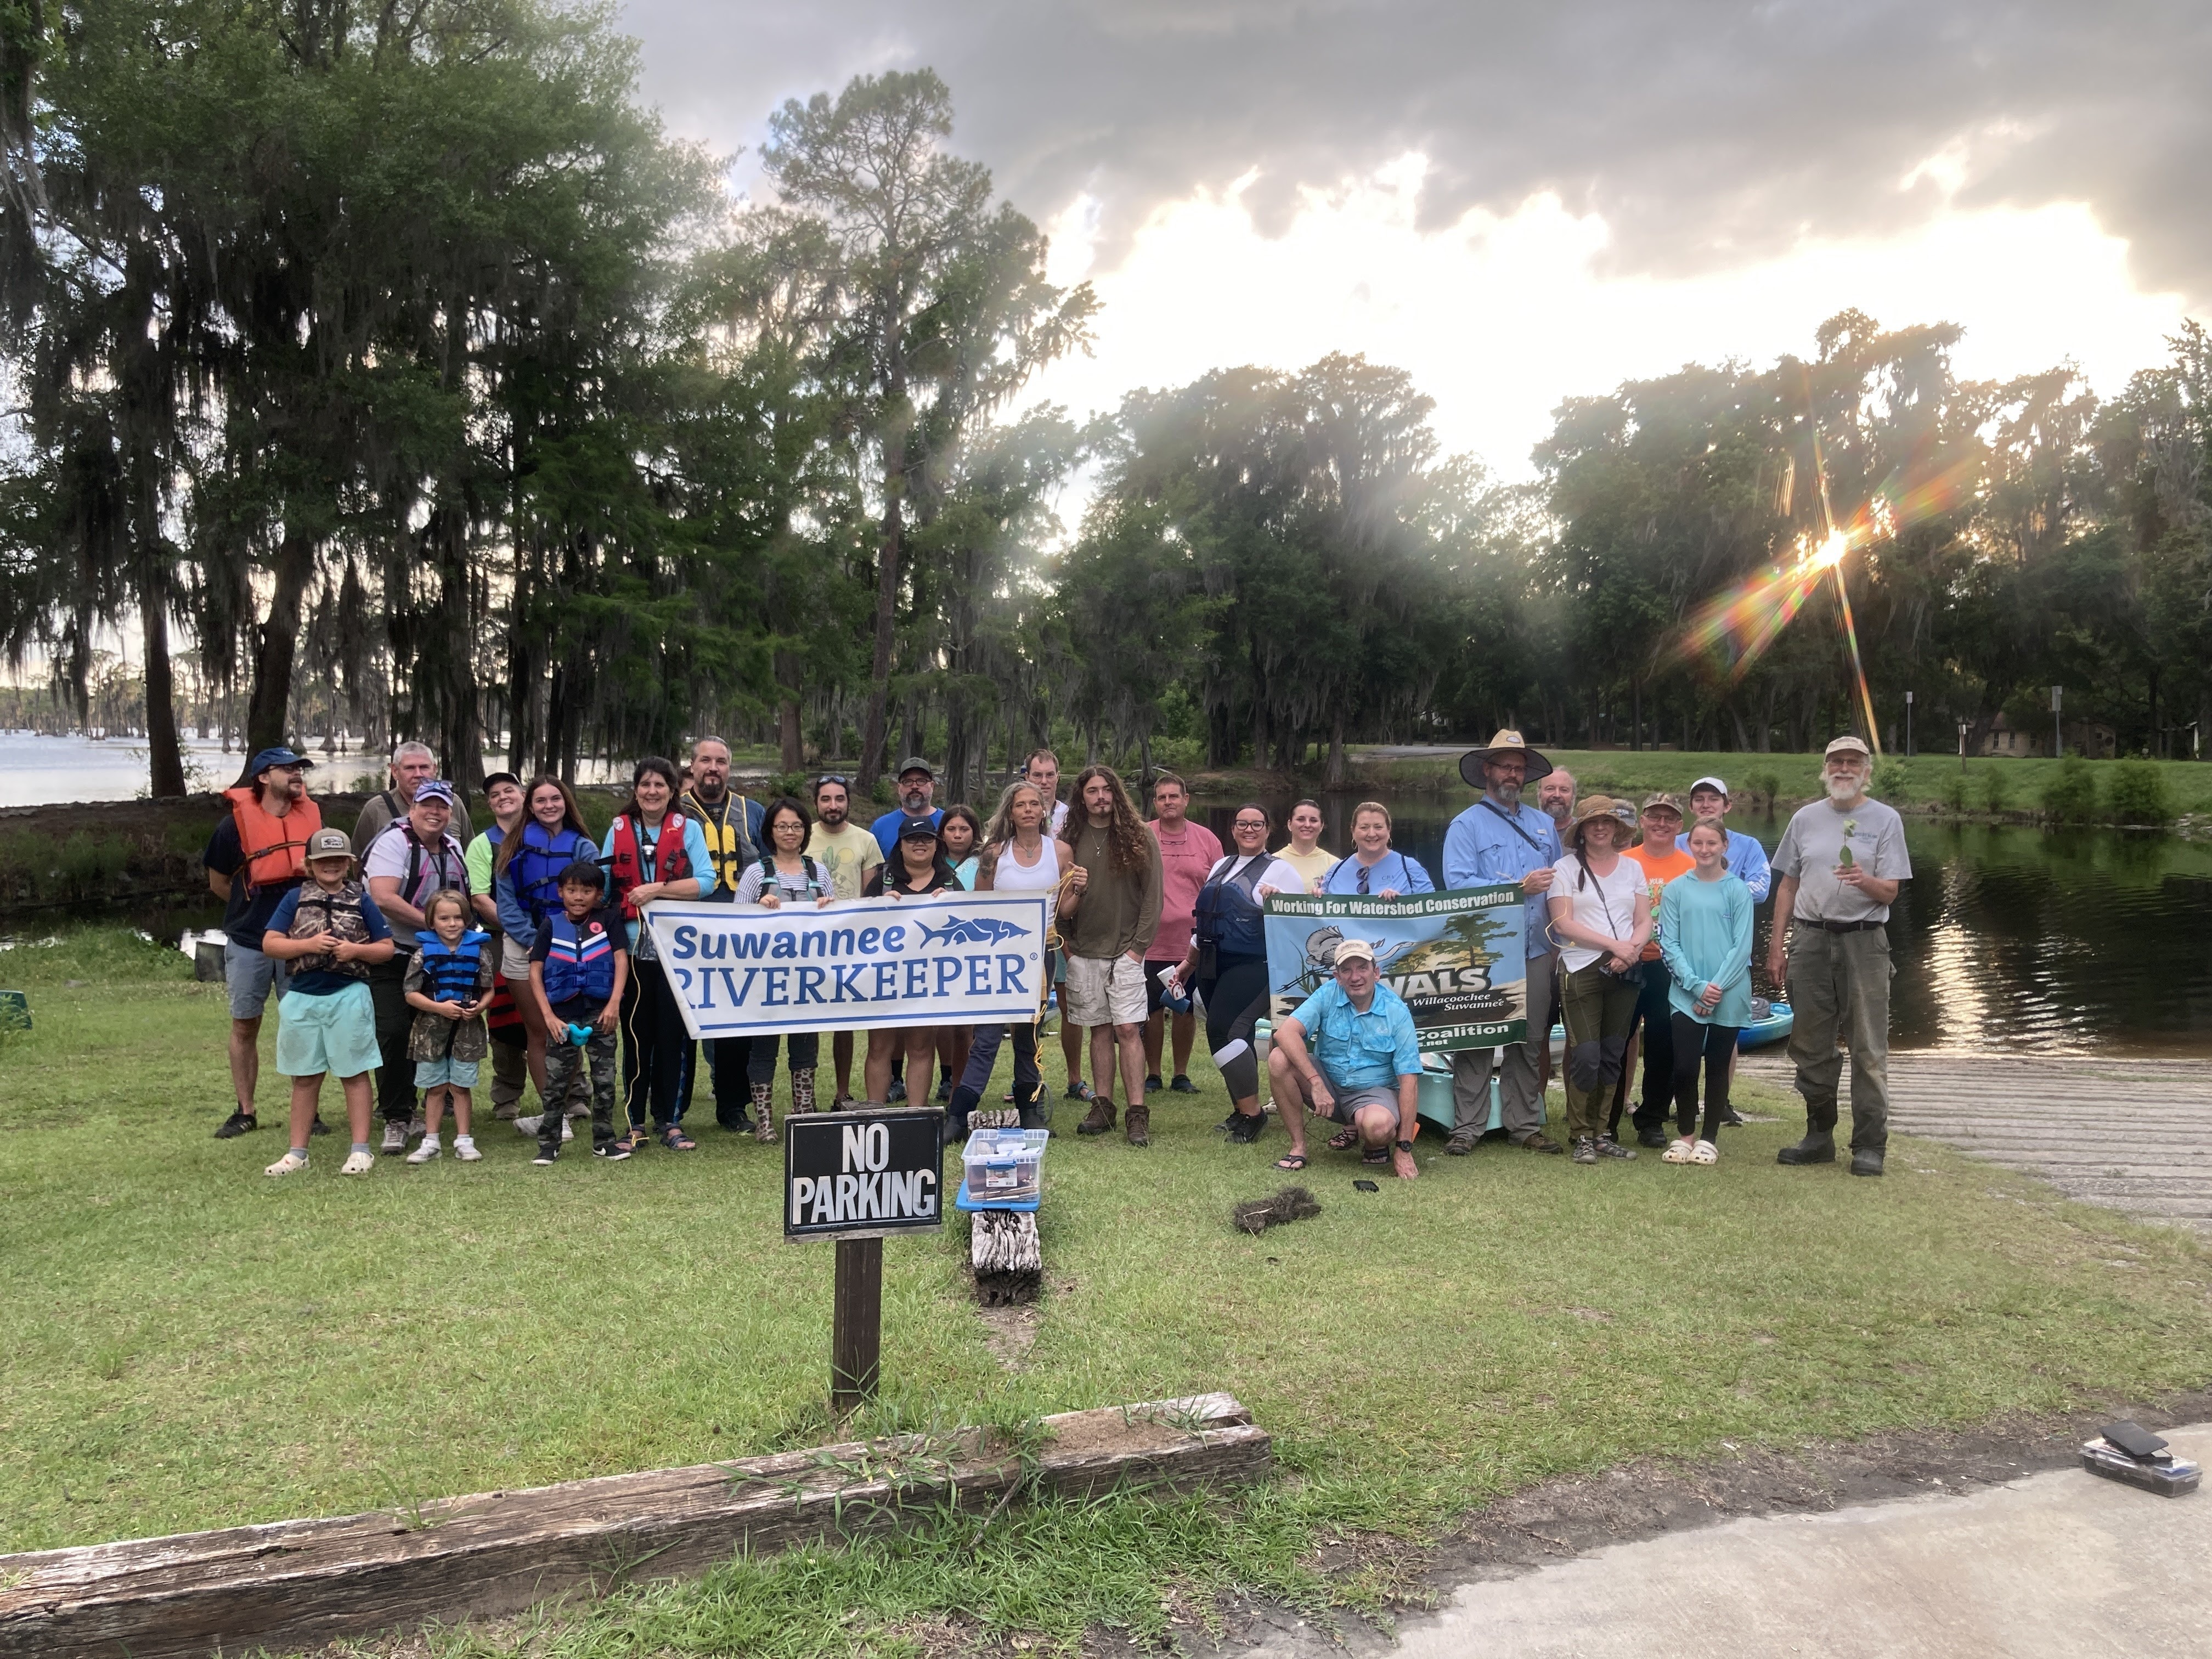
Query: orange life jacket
[274, 850]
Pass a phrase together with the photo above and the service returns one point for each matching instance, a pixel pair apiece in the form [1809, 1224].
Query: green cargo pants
[1839, 985]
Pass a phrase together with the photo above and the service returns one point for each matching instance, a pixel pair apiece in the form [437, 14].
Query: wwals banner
[1455, 957]
[949, 959]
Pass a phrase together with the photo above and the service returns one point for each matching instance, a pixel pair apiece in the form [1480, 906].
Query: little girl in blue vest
[448, 982]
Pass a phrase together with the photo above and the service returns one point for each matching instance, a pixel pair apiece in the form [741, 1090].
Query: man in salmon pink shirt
[1189, 853]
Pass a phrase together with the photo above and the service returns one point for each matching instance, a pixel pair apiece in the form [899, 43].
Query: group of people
[418, 950]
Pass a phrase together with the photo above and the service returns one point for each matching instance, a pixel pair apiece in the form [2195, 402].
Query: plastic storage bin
[1005, 1166]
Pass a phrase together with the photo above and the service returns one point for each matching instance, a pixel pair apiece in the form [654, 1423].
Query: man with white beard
[1837, 871]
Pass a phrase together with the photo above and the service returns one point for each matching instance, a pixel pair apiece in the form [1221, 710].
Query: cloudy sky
[1518, 201]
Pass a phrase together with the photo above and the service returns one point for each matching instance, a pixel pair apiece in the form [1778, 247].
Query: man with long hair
[1108, 912]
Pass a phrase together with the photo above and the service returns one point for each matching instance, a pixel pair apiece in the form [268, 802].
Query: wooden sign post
[860, 1177]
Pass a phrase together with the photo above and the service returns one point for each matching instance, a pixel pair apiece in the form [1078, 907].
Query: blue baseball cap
[436, 789]
[280, 756]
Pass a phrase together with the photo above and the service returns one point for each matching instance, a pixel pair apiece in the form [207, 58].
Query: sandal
[1291, 1161]
[636, 1141]
[1705, 1152]
[1679, 1151]
[1344, 1140]
[677, 1141]
[1375, 1155]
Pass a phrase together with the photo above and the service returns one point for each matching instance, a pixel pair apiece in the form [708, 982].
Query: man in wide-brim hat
[1501, 838]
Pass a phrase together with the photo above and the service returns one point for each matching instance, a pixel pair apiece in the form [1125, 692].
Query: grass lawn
[192, 1346]
[1922, 783]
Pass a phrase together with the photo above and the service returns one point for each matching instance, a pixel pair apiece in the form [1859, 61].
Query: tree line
[389, 364]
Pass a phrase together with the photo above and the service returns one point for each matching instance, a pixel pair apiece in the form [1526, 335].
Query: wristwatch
[1406, 1146]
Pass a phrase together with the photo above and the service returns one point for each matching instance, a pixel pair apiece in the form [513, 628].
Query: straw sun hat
[1622, 815]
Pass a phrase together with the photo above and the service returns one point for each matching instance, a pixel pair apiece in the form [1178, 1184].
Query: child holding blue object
[577, 971]
[1704, 935]
[448, 982]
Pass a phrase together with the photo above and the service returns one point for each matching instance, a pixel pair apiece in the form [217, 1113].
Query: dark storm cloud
[1705, 134]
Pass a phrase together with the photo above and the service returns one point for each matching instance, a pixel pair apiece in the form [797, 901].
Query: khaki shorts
[1104, 991]
[514, 961]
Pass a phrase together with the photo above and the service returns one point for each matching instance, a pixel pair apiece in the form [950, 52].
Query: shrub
[2069, 795]
[1769, 787]
[1889, 780]
[2139, 794]
[1954, 791]
[86, 866]
[1996, 787]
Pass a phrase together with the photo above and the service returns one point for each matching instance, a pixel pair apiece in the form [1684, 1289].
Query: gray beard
[1507, 795]
[1561, 812]
[1841, 790]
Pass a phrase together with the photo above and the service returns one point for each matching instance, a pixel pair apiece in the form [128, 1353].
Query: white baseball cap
[1709, 782]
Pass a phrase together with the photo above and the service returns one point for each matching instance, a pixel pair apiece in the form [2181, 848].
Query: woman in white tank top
[1017, 857]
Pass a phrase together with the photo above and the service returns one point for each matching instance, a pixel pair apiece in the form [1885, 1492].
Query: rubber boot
[802, 1089]
[1818, 1147]
[763, 1112]
[1140, 1126]
[1099, 1119]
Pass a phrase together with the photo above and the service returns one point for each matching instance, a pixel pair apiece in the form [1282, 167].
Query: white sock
[429, 1140]
[461, 1141]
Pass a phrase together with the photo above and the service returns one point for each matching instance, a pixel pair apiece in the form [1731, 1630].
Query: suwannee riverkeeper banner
[947, 958]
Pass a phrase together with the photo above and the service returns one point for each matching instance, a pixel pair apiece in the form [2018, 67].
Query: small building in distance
[2004, 740]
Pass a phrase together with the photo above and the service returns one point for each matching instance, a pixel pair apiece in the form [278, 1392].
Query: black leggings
[653, 1045]
[1235, 1001]
[1716, 1046]
[806, 1049]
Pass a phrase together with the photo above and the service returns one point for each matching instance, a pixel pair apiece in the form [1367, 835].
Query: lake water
[2006, 940]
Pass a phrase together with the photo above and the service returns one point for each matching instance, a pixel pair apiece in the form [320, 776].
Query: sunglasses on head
[838, 778]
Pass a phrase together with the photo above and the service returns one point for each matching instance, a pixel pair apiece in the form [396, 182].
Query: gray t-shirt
[1813, 846]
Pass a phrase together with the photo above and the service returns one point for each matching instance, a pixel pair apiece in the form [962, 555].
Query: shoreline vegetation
[1665, 1313]
[144, 852]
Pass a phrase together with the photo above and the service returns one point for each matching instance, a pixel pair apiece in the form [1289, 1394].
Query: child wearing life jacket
[577, 971]
[330, 931]
[448, 981]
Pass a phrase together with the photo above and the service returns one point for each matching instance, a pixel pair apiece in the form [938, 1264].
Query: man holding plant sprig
[1837, 871]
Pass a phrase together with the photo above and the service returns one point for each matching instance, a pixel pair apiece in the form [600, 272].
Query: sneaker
[567, 1130]
[357, 1164]
[1152, 1084]
[1228, 1124]
[546, 1156]
[292, 1162]
[613, 1150]
[944, 1091]
[1733, 1119]
[1180, 1084]
[425, 1152]
[417, 1129]
[1654, 1137]
[1246, 1130]
[1585, 1150]
[897, 1092]
[239, 1123]
[1608, 1147]
[528, 1126]
[464, 1149]
[395, 1136]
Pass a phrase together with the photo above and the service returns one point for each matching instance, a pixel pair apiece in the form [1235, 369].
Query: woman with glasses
[783, 875]
[1228, 960]
[1374, 869]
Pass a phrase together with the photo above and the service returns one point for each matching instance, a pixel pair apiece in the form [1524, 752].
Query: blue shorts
[250, 976]
[335, 1033]
[436, 1073]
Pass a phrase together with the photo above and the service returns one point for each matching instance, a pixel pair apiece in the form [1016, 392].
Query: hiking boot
[1140, 1131]
[1586, 1149]
[1818, 1147]
[1462, 1142]
[1538, 1142]
[395, 1135]
[1868, 1162]
[1180, 1084]
[238, 1123]
[1099, 1119]
[1608, 1147]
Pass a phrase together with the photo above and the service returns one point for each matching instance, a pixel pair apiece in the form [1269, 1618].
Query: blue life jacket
[1228, 915]
[449, 972]
[539, 861]
[580, 960]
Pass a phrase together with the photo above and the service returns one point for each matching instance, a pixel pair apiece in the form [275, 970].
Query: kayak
[1771, 1022]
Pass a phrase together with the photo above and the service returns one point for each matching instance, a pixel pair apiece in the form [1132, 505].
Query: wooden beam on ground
[302, 1583]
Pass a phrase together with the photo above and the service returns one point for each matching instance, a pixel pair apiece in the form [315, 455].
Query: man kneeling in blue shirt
[1340, 1056]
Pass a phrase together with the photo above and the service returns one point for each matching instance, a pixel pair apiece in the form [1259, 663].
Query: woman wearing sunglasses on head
[1374, 869]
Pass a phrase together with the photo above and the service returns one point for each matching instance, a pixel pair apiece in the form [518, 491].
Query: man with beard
[1109, 910]
[731, 824]
[1501, 838]
[917, 787]
[1555, 796]
[848, 852]
[254, 858]
[1837, 871]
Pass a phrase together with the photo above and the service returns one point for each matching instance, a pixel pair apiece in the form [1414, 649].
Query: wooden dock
[2129, 1134]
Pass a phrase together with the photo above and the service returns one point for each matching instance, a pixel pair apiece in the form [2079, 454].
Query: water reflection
[2005, 939]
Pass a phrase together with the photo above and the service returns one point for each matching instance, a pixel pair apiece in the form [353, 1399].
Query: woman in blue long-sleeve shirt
[1705, 940]
[1374, 870]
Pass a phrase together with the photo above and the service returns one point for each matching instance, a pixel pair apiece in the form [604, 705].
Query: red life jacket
[634, 862]
[274, 850]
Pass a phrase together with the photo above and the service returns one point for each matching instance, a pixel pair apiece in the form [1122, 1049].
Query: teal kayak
[1771, 1022]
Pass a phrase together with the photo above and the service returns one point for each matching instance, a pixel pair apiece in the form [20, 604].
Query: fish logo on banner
[948, 958]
